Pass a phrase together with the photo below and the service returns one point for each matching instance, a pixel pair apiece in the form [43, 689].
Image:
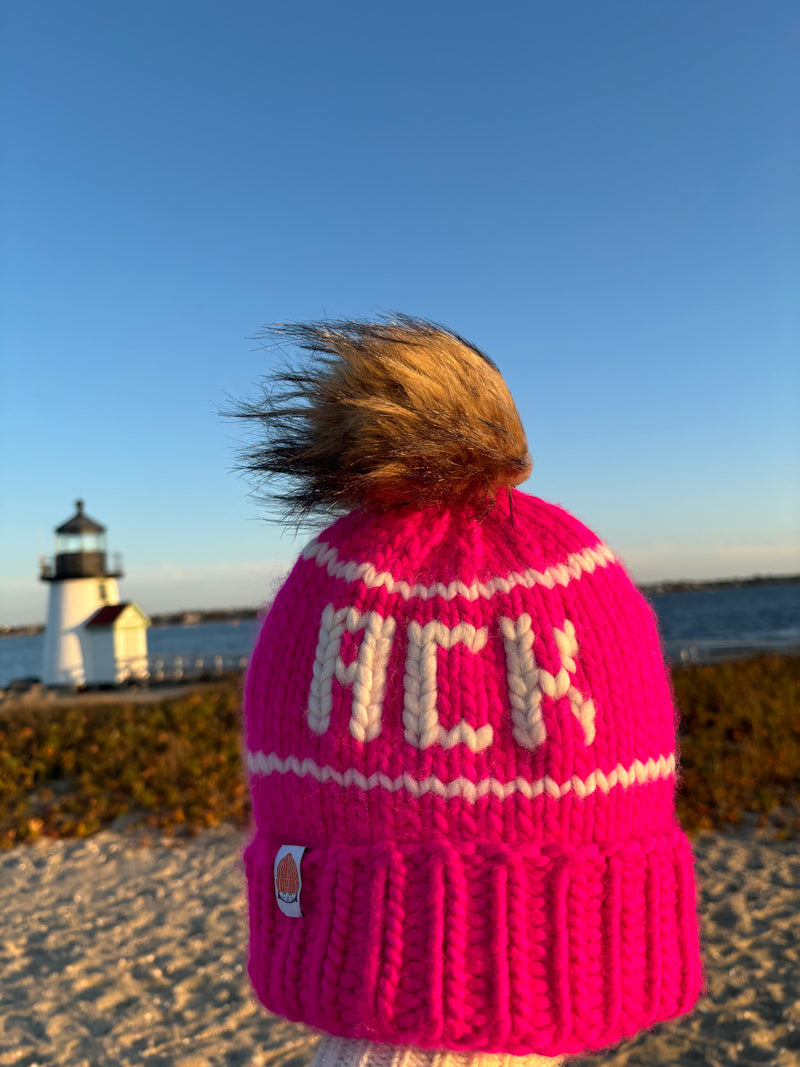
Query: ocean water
[705, 624]
[21, 657]
[698, 626]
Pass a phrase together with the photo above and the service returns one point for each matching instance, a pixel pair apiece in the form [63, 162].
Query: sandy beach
[127, 950]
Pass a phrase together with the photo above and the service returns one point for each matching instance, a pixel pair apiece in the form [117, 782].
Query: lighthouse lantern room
[82, 584]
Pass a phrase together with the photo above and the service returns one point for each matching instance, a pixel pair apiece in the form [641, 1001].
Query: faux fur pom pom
[384, 415]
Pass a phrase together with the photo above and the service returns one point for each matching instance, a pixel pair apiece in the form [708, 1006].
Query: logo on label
[288, 882]
[287, 879]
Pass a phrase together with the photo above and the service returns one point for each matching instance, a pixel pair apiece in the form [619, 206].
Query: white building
[91, 638]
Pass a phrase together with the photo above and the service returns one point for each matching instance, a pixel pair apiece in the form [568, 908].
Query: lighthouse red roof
[108, 615]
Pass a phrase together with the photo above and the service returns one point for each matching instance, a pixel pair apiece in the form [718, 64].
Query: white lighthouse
[91, 638]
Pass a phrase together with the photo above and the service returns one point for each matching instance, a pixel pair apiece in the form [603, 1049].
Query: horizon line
[665, 585]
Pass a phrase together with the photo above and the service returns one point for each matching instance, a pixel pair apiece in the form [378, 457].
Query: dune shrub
[171, 765]
[739, 741]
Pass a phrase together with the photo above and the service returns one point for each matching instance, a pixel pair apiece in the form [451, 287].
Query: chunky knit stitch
[466, 720]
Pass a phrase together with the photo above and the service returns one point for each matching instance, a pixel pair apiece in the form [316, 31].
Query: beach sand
[125, 950]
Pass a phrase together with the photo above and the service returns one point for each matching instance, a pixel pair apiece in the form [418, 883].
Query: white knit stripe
[637, 774]
[576, 564]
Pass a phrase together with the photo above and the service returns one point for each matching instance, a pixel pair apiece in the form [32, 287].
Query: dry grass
[172, 765]
[175, 764]
[740, 742]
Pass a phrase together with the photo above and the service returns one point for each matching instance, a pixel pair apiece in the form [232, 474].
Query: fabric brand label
[288, 880]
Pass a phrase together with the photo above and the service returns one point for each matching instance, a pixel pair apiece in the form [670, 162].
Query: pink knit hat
[459, 717]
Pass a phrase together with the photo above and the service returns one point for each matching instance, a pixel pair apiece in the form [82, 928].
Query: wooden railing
[175, 668]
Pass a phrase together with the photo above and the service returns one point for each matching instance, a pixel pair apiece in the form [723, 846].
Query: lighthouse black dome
[81, 551]
[80, 523]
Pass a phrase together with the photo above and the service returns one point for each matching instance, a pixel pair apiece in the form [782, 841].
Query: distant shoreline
[169, 618]
[689, 585]
[195, 618]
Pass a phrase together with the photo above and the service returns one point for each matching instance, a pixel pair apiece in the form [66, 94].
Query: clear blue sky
[603, 196]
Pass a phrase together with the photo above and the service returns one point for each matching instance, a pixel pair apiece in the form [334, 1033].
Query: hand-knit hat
[458, 715]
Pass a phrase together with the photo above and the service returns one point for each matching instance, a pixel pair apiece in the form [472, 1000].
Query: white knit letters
[366, 674]
[524, 690]
[582, 707]
[528, 683]
[420, 714]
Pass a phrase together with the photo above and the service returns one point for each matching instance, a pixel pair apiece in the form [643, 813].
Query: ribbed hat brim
[547, 948]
